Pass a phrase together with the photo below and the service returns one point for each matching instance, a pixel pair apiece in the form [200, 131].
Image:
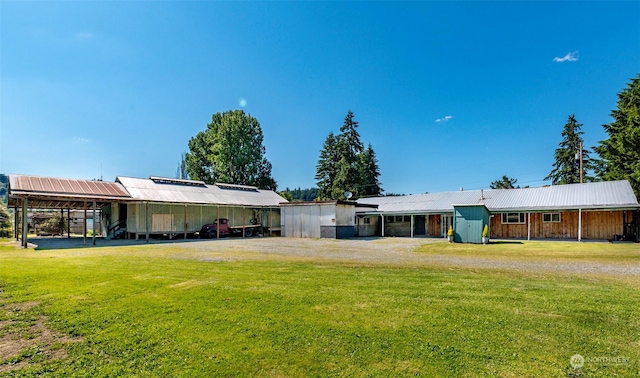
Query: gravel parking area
[375, 251]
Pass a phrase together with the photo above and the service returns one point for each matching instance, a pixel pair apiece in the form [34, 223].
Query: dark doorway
[418, 225]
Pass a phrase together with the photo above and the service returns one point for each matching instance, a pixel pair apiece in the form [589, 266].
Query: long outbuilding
[134, 207]
[597, 210]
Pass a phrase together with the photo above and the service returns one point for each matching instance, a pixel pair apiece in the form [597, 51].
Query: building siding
[595, 225]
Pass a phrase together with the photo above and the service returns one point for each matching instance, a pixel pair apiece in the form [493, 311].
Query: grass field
[154, 310]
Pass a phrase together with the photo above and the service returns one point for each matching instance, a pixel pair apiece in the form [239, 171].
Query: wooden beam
[68, 222]
[382, 216]
[25, 225]
[579, 224]
[218, 223]
[185, 221]
[84, 226]
[15, 222]
[93, 237]
[411, 225]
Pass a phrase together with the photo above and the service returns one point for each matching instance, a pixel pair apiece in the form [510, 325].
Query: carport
[34, 192]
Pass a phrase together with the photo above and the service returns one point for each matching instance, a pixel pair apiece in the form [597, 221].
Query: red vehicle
[210, 230]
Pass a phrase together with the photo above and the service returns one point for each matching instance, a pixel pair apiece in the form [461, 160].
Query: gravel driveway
[377, 251]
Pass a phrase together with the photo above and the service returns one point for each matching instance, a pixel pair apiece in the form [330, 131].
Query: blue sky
[450, 94]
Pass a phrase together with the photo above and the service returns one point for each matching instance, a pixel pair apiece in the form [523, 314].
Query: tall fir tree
[567, 159]
[326, 167]
[620, 153]
[349, 147]
[345, 166]
[369, 174]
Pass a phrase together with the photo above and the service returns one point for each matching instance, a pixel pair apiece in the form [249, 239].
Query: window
[513, 218]
[407, 218]
[367, 220]
[390, 219]
[551, 217]
[398, 218]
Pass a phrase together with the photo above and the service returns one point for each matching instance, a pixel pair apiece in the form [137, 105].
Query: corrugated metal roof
[595, 195]
[158, 191]
[59, 187]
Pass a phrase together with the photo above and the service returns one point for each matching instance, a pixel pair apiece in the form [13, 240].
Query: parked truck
[210, 230]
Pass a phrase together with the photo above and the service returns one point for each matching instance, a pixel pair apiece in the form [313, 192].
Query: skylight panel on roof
[172, 181]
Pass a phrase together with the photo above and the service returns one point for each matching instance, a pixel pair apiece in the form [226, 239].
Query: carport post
[243, 222]
[218, 224]
[15, 222]
[25, 226]
[529, 226]
[68, 222]
[382, 217]
[93, 237]
[185, 221]
[84, 227]
[270, 221]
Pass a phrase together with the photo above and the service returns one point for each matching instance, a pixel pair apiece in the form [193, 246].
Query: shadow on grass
[506, 242]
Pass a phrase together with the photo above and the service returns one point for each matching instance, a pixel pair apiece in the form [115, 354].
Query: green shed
[469, 221]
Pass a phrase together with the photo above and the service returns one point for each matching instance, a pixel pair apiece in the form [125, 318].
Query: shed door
[461, 230]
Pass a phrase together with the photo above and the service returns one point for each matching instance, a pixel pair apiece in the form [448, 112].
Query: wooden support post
[93, 237]
[146, 220]
[243, 223]
[69, 222]
[579, 224]
[15, 222]
[270, 221]
[84, 226]
[218, 224]
[25, 225]
[185, 222]
[382, 217]
[411, 225]
[529, 226]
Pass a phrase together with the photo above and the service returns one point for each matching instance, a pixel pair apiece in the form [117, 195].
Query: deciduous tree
[230, 150]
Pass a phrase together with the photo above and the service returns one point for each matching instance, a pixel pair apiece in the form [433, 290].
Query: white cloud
[444, 119]
[83, 36]
[570, 57]
[83, 140]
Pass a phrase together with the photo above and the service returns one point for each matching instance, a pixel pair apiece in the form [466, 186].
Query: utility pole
[581, 170]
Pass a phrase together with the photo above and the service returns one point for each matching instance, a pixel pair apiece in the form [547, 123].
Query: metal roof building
[594, 195]
[610, 208]
[159, 189]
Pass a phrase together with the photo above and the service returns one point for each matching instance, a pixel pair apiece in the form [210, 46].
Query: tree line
[231, 150]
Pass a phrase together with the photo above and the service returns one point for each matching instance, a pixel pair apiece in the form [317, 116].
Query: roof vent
[461, 189]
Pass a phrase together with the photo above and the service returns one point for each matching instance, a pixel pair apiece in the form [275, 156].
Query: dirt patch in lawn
[25, 337]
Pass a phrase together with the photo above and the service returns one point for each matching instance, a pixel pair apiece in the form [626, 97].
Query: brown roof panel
[65, 187]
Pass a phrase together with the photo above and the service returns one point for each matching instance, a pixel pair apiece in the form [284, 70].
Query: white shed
[327, 219]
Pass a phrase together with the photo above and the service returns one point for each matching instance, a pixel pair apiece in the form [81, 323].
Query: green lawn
[122, 311]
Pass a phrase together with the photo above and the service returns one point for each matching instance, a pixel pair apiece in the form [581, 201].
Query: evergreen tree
[326, 167]
[505, 183]
[620, 153]
[346, 166]
[348, 147]
[567, 159]
[369, 173]
[181, 172]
